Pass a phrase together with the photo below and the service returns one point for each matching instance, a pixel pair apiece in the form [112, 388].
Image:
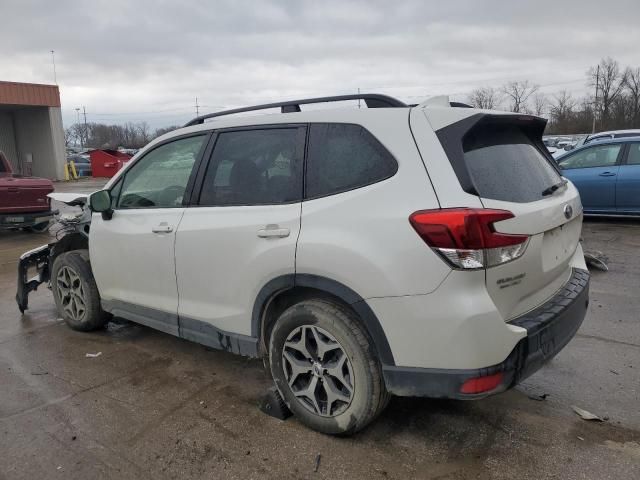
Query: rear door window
[633, 157]
[505, 164]
[255, 167]
[343, 157]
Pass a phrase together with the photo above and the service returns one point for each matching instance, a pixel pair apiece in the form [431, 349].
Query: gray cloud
[148, 60]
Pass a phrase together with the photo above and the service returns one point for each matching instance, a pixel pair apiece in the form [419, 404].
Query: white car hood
[70, 198]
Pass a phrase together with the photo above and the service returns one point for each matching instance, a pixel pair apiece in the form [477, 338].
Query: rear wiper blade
[554, 187]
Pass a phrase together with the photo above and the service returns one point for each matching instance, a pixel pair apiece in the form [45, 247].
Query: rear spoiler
[452, 139]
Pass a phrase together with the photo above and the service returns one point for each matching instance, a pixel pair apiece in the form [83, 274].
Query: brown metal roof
[13, 93]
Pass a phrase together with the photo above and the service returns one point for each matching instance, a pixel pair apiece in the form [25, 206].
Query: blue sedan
[607, 175]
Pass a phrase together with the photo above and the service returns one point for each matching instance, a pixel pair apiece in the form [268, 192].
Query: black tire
[83, 314]
[368, 396]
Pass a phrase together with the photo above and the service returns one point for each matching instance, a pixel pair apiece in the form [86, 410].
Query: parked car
[426, 251]
[23, 200]
[607, 175]
[612, 134]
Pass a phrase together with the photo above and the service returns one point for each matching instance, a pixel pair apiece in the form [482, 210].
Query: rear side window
[343, 157]
[634, 154]
[255, 167]
[505, 164]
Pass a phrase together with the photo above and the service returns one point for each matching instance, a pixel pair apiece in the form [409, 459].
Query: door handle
[607, 174]
[271, 231]
[162, 228]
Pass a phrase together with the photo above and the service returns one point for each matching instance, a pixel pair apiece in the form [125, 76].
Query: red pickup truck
[23, 200]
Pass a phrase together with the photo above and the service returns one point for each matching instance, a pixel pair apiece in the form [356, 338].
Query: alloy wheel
[71, 291]
[318, 371]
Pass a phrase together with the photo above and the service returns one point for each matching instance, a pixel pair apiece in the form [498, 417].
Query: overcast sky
[138, 60]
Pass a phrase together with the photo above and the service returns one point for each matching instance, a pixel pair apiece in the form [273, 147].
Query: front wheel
[75, 291]
[325, 368]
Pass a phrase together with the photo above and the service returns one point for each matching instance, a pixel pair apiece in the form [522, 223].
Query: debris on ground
[317, 466]
[117, 326]
[586, 415]
[596, 259]
[538, 398]
[274, 405]
[93, 355]
[614, 372]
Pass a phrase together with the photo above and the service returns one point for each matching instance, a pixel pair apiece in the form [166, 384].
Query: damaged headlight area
[71, 230]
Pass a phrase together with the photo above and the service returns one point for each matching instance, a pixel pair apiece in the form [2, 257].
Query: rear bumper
[24, 219]
[549, 328]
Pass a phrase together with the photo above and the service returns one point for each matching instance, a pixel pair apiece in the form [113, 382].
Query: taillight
[466, 237]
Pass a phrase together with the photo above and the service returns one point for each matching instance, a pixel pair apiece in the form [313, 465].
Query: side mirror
[100, 201]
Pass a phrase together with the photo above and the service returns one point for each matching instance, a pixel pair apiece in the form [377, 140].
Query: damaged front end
[71, 229]
[37, 258]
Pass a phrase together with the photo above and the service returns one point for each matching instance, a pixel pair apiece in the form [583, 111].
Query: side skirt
[190, 329]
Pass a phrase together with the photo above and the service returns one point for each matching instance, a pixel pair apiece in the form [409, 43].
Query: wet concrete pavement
[155, 406]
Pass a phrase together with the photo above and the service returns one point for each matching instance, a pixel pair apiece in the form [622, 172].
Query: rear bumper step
[549, 328]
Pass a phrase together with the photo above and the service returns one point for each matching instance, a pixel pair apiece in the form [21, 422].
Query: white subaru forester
[428, 250]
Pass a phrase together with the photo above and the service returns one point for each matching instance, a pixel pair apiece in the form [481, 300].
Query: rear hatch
[501, 159]
[20, 194]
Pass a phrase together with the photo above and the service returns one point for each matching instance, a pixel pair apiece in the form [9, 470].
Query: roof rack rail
[372, 100]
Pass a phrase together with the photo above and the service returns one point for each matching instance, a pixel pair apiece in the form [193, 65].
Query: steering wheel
[171, 196]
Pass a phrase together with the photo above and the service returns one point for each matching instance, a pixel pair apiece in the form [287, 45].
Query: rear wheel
[75, 292]
[324, 366]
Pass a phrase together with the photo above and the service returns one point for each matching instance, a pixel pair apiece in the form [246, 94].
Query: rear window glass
[504, 164]
[343, 157]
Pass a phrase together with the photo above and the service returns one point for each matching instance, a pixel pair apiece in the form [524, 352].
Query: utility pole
[595, 101]
[78, 123]
[197, 108]
[53, 60]
[84, 112]
[358, 99]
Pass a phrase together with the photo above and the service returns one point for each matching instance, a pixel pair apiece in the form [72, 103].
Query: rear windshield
[504, 164]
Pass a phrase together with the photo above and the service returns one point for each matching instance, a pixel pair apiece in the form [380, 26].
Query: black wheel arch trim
[330, 286]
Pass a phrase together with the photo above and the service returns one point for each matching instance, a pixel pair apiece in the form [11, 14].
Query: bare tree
[539, 103]
[632, 82]
[68, 136]
[518, 93]
[143, 133]
[562, 111]
[487, 98]
[610, 84]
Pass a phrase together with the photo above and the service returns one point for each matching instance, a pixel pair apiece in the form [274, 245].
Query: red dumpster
[105, 163]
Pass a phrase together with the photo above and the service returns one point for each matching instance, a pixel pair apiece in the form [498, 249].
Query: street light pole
[78, 123]
[53, 61]
[595, 101]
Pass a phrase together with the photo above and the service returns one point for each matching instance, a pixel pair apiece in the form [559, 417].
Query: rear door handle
[607, 174]
[162, 228]
[271, 231]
